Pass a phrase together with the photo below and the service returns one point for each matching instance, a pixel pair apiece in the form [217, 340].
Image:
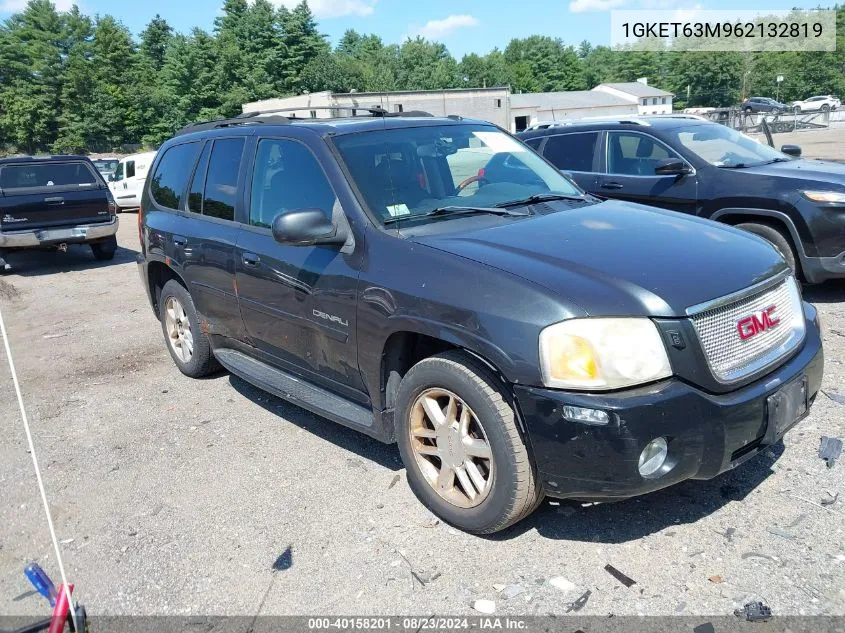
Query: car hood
[620, 259]
[807, 170]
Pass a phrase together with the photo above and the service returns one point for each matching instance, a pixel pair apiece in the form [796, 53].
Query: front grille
[730, 357]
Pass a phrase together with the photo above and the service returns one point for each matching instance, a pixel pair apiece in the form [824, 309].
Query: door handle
[178, 240]
[250, 259]
[612, 185]
[54, 200]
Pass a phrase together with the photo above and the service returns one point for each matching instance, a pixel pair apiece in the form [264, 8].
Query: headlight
[825, 196]
[602, 354]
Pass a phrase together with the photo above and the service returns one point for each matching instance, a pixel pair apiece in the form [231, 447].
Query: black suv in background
[434, 282]
[52, 201]
[702, 168]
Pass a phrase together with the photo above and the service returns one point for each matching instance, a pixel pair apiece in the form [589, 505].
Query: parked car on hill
[48, 202]
[823, 103]
[516, 336]
[712, 171]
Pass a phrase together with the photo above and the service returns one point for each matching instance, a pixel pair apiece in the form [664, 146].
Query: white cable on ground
[38, 472]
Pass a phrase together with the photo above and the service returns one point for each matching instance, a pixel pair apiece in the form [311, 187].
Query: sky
[465, 26]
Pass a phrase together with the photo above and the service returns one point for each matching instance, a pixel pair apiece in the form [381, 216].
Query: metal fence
[776, 122]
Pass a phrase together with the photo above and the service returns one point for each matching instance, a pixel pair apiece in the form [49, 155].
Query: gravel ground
[177, 496]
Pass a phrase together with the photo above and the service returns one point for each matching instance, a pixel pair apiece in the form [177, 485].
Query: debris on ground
[625, 580]
[754, 612]
[393, 481]
[773, 529]
[580, 603]
[561, 583]
[748, 555]
[484, 606]
[431, 524]
[498, 586]
[512, 591]
[716, 580]
[836, 397]
[829, 498]
[830, 449]
[797, 520]
[728, 533]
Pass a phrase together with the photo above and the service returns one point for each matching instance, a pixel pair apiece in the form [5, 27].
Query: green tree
[540, 63]
[302, 41]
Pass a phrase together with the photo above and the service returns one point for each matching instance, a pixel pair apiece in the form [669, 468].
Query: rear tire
[105, 250]
[777, 239]
[443, 461]
[187, 343]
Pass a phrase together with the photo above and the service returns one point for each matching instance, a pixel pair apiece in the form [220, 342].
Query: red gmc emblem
[757, 323]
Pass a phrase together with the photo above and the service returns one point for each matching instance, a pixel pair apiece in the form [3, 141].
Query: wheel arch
[776, 219]
[158, 274]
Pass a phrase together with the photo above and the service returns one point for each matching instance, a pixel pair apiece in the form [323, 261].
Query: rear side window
[47, 175]
[534, 143]
[572, 152]
[221, 183]
[198, 185]
[130, 169]
[170, 180]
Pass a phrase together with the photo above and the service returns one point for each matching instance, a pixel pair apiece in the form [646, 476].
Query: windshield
[725, 147]
[412, 171]
[104, 165]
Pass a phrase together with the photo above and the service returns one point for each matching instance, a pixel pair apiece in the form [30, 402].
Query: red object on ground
[60, 611]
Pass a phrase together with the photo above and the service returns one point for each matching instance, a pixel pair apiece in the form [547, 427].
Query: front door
[630, 160]
[298, 303]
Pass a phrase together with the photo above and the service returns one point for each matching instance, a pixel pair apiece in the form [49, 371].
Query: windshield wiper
[453, 210]
[738, 166]
[542, 197]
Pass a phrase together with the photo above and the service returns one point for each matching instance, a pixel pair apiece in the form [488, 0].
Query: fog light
[593, 417]
[653, 457]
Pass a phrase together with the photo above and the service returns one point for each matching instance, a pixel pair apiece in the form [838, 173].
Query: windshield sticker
[398, 209]
[499, 142]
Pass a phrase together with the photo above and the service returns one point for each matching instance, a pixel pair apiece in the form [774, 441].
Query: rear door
[630, 158]
[47, 194]
[200, 181]
[575, 154]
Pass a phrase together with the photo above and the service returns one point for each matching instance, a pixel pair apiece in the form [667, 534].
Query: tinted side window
[287, 176]
[198, 184]
[534, 143]
[130, 169]
[118, 172]
[572, 152]
[171, 176]
[221, 184]
[633, 154]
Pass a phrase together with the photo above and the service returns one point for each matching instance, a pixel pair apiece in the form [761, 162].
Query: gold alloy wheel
[178, 328]
[451, 448]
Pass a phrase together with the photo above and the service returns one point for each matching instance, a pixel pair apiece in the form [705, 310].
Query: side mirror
[791, 150]
[671, 167]
[306, 227]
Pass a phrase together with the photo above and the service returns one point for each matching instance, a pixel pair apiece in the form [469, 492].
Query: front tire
[465, 458]
[187, 343]
[777, 239]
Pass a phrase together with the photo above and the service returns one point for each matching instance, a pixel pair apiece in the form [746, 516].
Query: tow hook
[62, 248]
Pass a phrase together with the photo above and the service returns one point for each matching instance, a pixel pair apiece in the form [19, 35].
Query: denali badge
[757, 323]
[330, 317]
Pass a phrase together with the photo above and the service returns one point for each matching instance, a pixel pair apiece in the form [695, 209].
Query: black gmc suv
[434, 282]
[48, 202]
[695, 166]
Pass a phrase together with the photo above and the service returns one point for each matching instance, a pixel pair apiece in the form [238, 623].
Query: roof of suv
[664, 122]
[339, 125]
[59, 158]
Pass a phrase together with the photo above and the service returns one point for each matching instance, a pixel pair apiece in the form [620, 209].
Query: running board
[305, 394]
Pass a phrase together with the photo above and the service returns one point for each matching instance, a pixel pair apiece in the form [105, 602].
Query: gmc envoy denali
[434, 282]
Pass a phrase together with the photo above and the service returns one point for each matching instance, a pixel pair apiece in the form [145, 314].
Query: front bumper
[707, 433]
[33, 238]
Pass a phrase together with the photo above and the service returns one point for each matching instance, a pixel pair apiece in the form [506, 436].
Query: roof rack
[277, 117]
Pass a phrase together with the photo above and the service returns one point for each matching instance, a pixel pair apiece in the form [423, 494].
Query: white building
[543, 107]
[489, 104]
[514, 112]
[649, 100]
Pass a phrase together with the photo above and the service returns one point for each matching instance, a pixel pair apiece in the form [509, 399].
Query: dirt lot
[175, 496]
